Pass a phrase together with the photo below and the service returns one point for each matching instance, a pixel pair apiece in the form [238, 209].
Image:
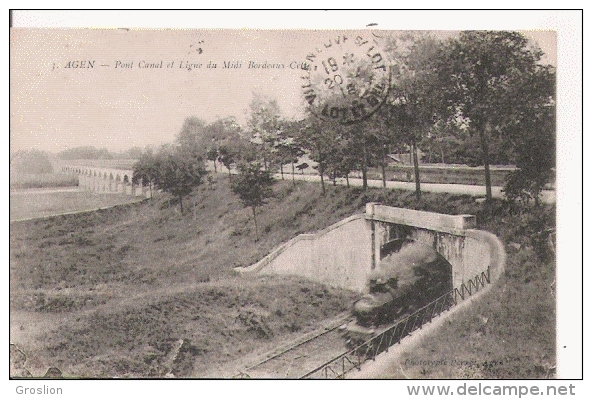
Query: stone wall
[338, 255]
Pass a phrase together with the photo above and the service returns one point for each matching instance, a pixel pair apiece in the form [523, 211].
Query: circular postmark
[348, 78]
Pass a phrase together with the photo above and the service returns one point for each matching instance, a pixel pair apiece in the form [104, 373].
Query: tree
[212, 155]
[444, 143]
[479, 70]
[265, 123]
[342, 160]
[533, 137]
[289, 147]
[281, 153]
[146, 169]
[134, 152]
[319, 138]
[87, 152]
[222, 129]
[287, 151]
[178, 173]
[227, 155]
[192, 139]
[254, 186]
[415, 97]
[222, 137]
[347, 160]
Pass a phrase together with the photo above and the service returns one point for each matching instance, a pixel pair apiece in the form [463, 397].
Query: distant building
[405, 158]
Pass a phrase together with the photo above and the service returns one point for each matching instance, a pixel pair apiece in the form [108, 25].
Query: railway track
[323, 353]
[301, 355]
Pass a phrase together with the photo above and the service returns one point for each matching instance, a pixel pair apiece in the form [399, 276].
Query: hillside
[116, 292]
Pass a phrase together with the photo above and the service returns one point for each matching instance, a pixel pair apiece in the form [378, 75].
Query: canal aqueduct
[107, 180]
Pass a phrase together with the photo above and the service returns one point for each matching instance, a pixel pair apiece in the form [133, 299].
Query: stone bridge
[107, 180]
[343, 254]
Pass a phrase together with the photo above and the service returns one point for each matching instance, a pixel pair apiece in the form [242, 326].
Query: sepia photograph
[368, 203]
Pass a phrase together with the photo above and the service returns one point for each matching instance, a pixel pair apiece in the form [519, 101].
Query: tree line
[480, 98]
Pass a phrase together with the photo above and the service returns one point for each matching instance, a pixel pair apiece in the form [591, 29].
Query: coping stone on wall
[454, 224]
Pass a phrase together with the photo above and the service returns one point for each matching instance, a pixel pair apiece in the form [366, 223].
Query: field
[141, 290]
[25, 204]
[24, 181]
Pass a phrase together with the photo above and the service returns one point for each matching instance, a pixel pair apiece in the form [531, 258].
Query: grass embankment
[115, 292]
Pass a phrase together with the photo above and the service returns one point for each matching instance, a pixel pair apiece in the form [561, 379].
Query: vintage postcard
[284, 203]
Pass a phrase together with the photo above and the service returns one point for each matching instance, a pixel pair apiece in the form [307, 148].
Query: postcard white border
[569, 180]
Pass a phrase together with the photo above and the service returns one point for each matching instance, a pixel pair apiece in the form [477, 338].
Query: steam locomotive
[410, 275]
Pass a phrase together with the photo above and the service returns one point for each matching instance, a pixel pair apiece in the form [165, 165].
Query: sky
[111, 106]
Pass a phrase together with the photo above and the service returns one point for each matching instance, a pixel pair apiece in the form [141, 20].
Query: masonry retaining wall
[343, 254]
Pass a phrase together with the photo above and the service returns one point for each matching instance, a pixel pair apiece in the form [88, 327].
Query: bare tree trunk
[365, 167]
[282, 170]
[264, 151]
[321, 168]
[215, 168]
[347, 179]
[382, 167]
[181, 203]
[293, 180]
[255, 220]
[416, 168]
[485, 148]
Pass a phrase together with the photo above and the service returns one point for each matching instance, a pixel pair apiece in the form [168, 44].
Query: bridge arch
[105, 179]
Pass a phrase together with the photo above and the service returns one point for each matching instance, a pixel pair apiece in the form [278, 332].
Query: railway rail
[296, 357]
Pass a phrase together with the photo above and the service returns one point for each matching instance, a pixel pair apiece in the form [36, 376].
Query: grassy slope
[93, 280]
[161, 277]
